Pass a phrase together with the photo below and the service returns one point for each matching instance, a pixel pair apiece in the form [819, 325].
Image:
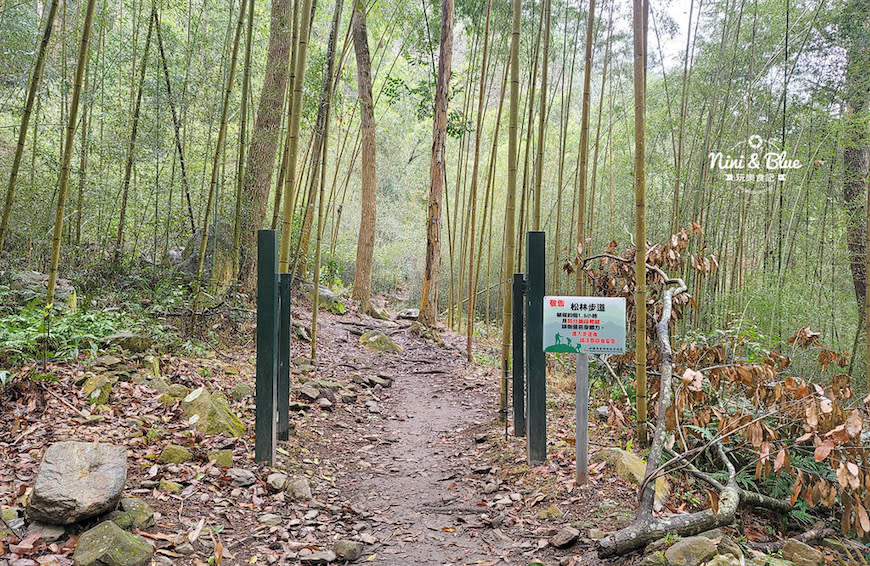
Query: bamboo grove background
[729, 69]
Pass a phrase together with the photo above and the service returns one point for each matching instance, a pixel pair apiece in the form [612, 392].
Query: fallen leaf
[194, 534]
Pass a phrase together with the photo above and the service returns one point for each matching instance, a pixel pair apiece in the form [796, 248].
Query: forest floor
[421, 472]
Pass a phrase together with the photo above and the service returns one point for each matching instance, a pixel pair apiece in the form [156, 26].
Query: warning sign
[584, 325]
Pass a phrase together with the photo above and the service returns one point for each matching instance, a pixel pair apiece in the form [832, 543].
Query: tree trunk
[362, 277]
[584, 143]
[293, 134]
[260, 160]
[131, 146]
[640, 215]
[67, 152]
[35, 79]
[510, 209]
[243, 142]
[429, 295]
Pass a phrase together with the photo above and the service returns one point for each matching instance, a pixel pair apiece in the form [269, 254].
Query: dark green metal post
[267, 345]
[535, 359]
[519, 367]
[284, 337]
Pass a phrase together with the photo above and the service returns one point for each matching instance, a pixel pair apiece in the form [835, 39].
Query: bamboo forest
[541, 282]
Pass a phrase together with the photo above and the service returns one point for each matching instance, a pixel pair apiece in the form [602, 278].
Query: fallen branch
[816, 533]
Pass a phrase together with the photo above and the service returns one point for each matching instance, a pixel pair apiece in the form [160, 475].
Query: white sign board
[584, 325]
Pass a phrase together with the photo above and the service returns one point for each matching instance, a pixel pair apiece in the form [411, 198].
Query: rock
[299, 489]
[379, 380]
[169, 486]
[47, 533]
[129, 341]
[655, 558]
[596, 534]
[728, 546]
[379, 342]
[12, 524]
[302, 333]
[270, 519]
[277, 481]
[175, 454]
[155, 382]
[491, 487]
[409, 314]
[241, 477]
[328, 394]
[723, 560]
[325, 404]
[326, 299]
[308, 392]
[565, 538]
[348, 550]
[217, 268]
[837, 545]
[211, 414]
[324, 557]
[98, 388]
[152, 364]
[379, 313]
[223, 458]
[603, 413]
[173, 393]
[106, 361]
[630, 468]
[108, 544]
[185, 548]
[77, 480]
[349, 397]
[802, 554]
[30, 285]
[690, 551]
[241, 391]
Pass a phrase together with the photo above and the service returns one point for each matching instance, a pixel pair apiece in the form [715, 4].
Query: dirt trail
[419, 462]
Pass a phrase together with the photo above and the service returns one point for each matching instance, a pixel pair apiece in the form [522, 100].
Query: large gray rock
[347, 550]
[30, 285]
[130, 341]
[211, 414]
[77, 480]
[107, 544]
[326, 299]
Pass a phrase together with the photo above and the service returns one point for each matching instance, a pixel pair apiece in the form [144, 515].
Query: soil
[422, 472]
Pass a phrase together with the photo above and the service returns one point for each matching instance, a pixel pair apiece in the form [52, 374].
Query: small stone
[565, 538]
[516, 496]
[47, 533]
[348, 550]
[175, 454]
[299, 489]
[270, 519]
[173, 393]
[324, 403]
[315, 558]
[603, 413]
[409, 314]
[185, 548]
[211, 414]
[723, 560]
[596, 534]
[277, 481]
[241, 477]
[223, 458]
[348, 397]
[368, 538]
[690, 551]
[309, 392]
[170, 486]
[491, 487]
[551, 512]
[107, 543]
[98, 388]
[141, 512]
[380, 380]
[802, 554]
[241, 391]
[728, 546]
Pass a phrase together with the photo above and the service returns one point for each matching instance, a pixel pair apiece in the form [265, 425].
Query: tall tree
[264, 137]
[293, 134]
[429, 295]
[584, 141]
[131, 145]
[362, 277]
[639, 25]
[63, 184]
[510, 206]
[33, 88]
